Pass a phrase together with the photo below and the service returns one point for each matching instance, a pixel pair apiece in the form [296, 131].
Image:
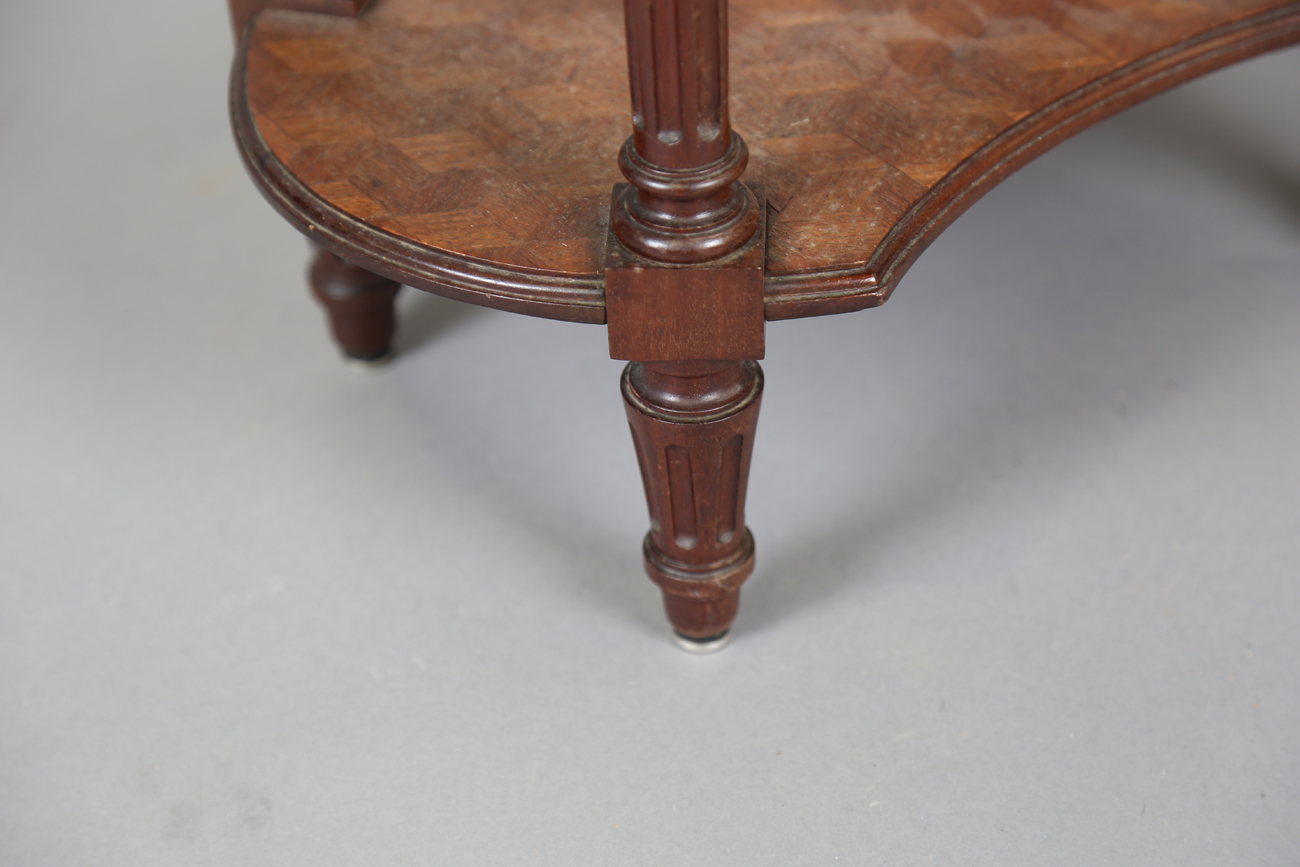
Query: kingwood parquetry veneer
[480, 150]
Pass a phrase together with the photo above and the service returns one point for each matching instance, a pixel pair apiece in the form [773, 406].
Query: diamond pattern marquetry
[490, 129]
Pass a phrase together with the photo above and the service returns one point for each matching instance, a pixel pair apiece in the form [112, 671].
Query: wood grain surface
[359, 305]
[470, 148]
[693, 428]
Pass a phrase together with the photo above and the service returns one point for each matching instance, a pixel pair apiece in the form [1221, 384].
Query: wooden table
[473, 150]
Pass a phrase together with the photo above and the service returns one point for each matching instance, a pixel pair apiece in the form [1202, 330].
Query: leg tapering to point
[359, 304]
[693, 426]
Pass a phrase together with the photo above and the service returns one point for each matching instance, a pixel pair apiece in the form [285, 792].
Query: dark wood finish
[684, 300]
[242, 11]
[693, 428]
[686, 204]
[712, 311]
[1043, 64]
[359, 304]
[465, 148]
[316, 196]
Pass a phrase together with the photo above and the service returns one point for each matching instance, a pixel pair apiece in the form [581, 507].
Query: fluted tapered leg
[359, 304]
[693, 426]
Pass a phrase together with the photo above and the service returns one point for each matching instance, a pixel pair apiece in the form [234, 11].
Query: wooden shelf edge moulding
[788, 294]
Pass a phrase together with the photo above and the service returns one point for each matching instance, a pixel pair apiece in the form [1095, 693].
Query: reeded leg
[359, 304]
[693, 427]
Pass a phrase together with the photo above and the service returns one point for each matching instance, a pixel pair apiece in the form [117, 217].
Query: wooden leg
[359, 304]
[693, 427]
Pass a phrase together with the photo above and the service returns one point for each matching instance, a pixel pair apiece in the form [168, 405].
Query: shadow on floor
[1182, 126]
[961, 462]
[422, 317]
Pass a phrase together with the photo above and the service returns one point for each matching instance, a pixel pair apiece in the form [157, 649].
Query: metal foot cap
[365, 366]
[702, 645]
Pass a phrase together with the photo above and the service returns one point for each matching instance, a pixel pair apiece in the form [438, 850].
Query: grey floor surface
[1029, 536]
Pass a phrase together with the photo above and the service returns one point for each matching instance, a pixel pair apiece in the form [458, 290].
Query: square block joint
[707, 312]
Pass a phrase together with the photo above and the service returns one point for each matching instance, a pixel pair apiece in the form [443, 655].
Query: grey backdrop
[1028, 536]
